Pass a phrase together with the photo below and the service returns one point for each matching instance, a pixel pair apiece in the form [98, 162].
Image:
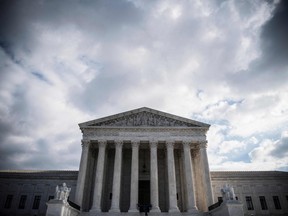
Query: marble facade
[144, 156]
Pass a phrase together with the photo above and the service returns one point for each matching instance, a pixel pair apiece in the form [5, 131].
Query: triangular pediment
[143, 117]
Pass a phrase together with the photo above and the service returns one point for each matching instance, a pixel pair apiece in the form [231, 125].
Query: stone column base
[174, 210]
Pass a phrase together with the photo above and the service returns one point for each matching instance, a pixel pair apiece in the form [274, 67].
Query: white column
[206, 175]
[117, 177]
[82, 172]
[97, 197]
[171, 177]
[191, 204]
[154, 177]
[134, 176]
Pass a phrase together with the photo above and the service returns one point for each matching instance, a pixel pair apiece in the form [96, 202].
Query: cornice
[39, 174]
[144, 128]
[248, 174]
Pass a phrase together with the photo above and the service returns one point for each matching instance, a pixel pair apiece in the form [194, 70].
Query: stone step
[140, 214]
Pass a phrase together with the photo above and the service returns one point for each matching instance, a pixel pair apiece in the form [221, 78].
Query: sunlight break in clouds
[220, 62]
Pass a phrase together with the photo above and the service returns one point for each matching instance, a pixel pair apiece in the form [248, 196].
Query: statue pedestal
[228, 208]
[55, 208]
[60, 208]
[60, 205]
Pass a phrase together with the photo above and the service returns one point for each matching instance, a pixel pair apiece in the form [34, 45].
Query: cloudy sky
[221, 62]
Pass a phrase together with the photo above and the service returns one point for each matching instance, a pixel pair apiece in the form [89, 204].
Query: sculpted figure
[228, 193]
[62, 192]
[57, 193]
[232, 194]
[137, 121]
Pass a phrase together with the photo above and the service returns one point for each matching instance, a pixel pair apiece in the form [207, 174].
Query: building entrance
[144, 194]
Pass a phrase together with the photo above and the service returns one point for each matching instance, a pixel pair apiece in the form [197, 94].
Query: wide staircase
[141, 214]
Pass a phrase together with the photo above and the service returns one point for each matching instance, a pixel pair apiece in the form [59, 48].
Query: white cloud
[272, 151]
[266, 155]
[231, 147]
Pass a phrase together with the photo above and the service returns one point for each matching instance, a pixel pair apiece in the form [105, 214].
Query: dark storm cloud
[8, 50]
[5, 148]
[22, 24]
[103, 21]
[275, 40]
[108, 86]
[270, 70]
[9, 150]
[45, 156]
[40, 156]
[18, 18]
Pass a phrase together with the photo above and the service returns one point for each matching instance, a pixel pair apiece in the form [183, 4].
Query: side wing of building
[26, 192]
[261, 192]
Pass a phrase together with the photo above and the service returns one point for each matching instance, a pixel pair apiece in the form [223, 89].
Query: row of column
[188, 167]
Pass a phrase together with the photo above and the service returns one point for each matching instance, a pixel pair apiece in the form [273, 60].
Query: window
[50, 197]
[276, 202]
[22, 202]
[36, 202]
[8, 202]
[249, 203]
[220, 199]
[263, 203]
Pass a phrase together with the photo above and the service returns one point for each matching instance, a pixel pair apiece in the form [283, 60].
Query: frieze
[143, 119]
[194, 135]
[127, 131]
[144, 134]
[192, 139]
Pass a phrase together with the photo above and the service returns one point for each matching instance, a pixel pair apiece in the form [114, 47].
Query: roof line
[142, 109]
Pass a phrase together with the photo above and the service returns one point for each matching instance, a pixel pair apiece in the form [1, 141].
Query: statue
[62, 192]
[228, 193]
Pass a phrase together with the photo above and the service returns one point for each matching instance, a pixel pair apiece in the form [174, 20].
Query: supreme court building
[144, 156]
[139, 157]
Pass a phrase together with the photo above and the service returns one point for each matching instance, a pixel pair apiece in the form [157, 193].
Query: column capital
[203, 144]
[186, 144]
[135, 143]
[153, 143]
[118, 143]
[170, 144]
[85, 143]
[102, 143]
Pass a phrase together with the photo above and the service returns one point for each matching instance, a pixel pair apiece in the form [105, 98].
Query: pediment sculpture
[145, 119]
